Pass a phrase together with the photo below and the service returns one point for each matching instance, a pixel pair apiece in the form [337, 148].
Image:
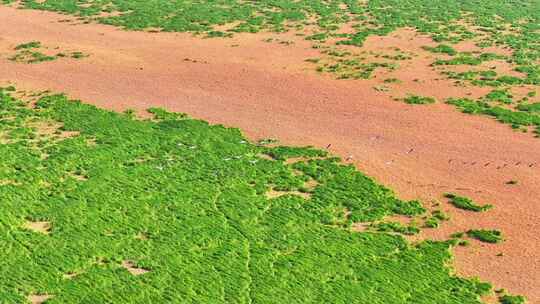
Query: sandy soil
[267, 90]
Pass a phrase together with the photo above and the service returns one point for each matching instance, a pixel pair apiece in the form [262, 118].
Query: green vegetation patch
[28, 45]
[487, 236]
[354, 68]
[501, 96]
[414, 99]
[27, 56]
[434, 221]
[101, 207]
[510, 299]
[441, 49]
[532, 107]
[466, 203]
[516, 119]
[469, 59]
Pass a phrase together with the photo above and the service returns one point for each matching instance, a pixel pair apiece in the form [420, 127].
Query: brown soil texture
[268, 91]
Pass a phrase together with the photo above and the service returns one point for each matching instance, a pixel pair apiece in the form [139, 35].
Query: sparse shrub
[466, 203]
[418, 100]
[487, 236]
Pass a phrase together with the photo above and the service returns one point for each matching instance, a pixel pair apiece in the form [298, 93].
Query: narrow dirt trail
[268, 91]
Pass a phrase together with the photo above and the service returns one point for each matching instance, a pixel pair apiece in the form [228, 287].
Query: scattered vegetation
[516, 119]
[353, 68]
[489, 23]
[32, 52]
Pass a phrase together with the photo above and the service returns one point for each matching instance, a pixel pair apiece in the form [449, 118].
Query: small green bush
[466, 203]
[487, 236]
[413, 99]
[510, 299]
[442, 49]
[28, 45]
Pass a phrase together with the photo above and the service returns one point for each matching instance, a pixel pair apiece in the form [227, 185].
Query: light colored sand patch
[265, 156]
[70, 275]
[270, 194]
[130, 266]
[142, 236]
[311, 184]
[78, 177]
[91, 142]
[44, 128]
[39, 227]
[5, 182]
[360, 227]
[293, 160]
[39, 299]
[51, 129]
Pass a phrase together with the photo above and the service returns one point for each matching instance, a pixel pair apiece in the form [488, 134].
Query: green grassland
[187, 202]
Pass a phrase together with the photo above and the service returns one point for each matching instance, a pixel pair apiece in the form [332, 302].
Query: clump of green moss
[436, 217]
[532, 107]
[28, 45]
[511, 299]
[487, 236]
[414, 99]
[466, 203]
[502, 96]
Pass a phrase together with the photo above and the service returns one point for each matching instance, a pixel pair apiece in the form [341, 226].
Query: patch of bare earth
[51, 129]
[38, 299]
[39, 227]
[133, 269]
[270, 92]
